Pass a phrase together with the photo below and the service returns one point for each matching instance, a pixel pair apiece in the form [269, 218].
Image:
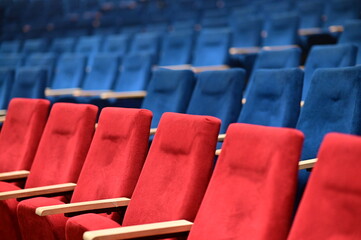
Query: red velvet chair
[173, 180]
[58, 160]
[330, 207]
[111, 169]
[250, 195]
[20, 135]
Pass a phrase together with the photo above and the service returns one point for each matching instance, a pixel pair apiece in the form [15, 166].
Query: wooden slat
[309, 31]
[304, 164]
[152, 131]
[82, 206]
[335, 28]
[59, 92]
[37, 191]
[209, 68]
[176, 67]
[244, 50]
[90, 93]
[221, 137]
[139, 231]
[218, 152]
[2, 119]
[14, 175]
[272, 48]
[124, 95]
[3, 112]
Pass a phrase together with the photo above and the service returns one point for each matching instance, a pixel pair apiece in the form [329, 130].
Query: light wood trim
[32, 192]
[82, 206]
[218, 152]
[283, 47]
[152, 131]
[309, 31]
[244, 100]
[124, 95]
[14, 175]
[244, 50]
[221, 137]
[89, 93]
[3, 112]
[335, 28]
[175, 67]
[302, 103]
[209, 68]
[307, 163]
[137, 231]
[2, 119]
[60, 92]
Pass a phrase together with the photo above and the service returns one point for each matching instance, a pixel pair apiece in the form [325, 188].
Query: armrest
[302, 103]
[210, 68]
[3, 112]
[243, 50]
[14, 175]
[221, 137]
[335, 28]
[309, 31]
[176, 67]
[82, 206]
[2, 119]
[307, 163]
[139, 231]
[89, 93]
[270, 48]
[38, 191]
[218, 152]
[152, 131]
[124, 95]
[60, 92]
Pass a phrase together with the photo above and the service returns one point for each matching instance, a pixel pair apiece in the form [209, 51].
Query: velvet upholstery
[274, 98]
[30, 82]
[43, 60]
[117, 44]
[174, 177]
[282, 30]
[352, 35]
[252, 189]
[327, 56]
[145, 43]
[310, 13]
[168, 91]
[218, 94]
[337, 12]
[62, 45]
[6, 84]
[21, 133]
[88, 44]
[176, 48]
[212, 47]
[246, 32]
[111, 170]
[11, 60]
[59, 157]
[330, 207]
[10, 46]
[34, 45]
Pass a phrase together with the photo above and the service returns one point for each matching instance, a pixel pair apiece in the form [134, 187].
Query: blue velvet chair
[117, 44]
[10, 46]
[34, 45]
[168, 91]
[6, 83]
[310, 13]
[43, 60]
[246, 32]
[274, 98]
[337, 12]
[327, 56]
[352, 35]
[62, 45]
[11, 60]
[88, 45]
[146, 43]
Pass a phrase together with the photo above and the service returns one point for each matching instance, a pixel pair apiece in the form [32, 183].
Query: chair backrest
[101, 72]
[274, 98]
[63, 145]
[329, 56]
[62, 45]
[256, 179]
[117, 44]
[21, 132]
[10, 46]
[176, 173]
[69, 71]
[147, 43]
[88, 44]
[310, 13]
[333, 104]
[332, 196]
[337, 12]
[30, 82]
[34, 45]
[246, 32]
[119, 149]
[11, 60]
[43, 60]
[282, 30]
[218, 94]
[211, 47]
[352, 35]
[168, 91]
[6, 84]
[176, 48]
[135, 72]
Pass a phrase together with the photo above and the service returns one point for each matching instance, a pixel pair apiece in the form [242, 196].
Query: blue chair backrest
[69, 71]
[62, 45]
[145, 43]
[274, 98]
[212, 47]
[168, 91]
[135, 73]
[11, 60]
[116, 44]
[310, 13]
[176, 48]
[327, 56]
[337, 12]
[30, 82]
[34, 45]
[44, 60]
[10, 46]
[6, 84]
[352, 35]
[101, 72]
[218, 94]
[246, 32]
[88, 45]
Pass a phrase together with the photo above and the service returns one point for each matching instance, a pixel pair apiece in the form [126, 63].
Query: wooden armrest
[139, 231]
[124, 95]
[335, 28]
[302, 103]
[218, 152]
[14, 175]
[209, 68]
[89, 93]
[37, 191]
[60, 92]
[309, 31]
[2, 119]
[283, 47]
[152, 131]
[243, 50]
[3, 112]
[221, 137]
[307, 163]
[82, 206]
[176, 67]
